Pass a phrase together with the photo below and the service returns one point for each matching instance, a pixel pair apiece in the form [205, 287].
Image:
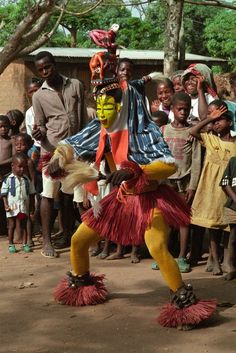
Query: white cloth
[170, 115]
[29, 123]
[194, 105]
[18, 203]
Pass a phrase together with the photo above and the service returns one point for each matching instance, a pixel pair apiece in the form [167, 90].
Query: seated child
[18, 197]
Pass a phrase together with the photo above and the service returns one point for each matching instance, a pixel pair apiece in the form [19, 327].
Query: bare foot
[48, 251]
[225, 268]
[135, 259]
[115, 256]
[230, 276]
[217, 270]
[209, 265]
[18, 241]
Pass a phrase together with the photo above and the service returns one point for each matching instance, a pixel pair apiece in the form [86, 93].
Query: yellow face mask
[107, 110]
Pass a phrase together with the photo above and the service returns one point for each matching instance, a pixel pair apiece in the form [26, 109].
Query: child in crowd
[187, 154]
[176, 78]
[23, 143]
[209, 200]
[6, 147]
[18, 197]
[198, 82]
[160, 118]
[34, 152]
[228, 184]
[7, 150]
[16, 118]
[32, 87]
[164, 91]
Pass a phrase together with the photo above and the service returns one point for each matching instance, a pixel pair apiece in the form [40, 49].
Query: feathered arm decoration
[65, 167]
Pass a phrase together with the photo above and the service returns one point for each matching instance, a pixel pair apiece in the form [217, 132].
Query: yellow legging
[156, 239]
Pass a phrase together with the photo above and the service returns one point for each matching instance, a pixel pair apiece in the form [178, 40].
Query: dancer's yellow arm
[159, 170]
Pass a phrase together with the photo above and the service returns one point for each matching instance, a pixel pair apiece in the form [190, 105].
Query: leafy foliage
[208, 30]
[10, 16]
[220, 35]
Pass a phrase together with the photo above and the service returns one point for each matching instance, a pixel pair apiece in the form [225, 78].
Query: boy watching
[187, 154]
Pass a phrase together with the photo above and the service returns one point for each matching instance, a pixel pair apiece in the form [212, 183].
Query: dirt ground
[31, 322]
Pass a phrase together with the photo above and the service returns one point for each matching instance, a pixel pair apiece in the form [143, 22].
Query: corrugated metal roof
[139, 55]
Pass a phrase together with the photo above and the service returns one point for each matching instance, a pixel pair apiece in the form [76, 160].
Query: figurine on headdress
[104, 60]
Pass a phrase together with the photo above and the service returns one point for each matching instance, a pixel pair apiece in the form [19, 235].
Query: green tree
[195, 18]
[133, 33]
[156, 16]
[220, 35]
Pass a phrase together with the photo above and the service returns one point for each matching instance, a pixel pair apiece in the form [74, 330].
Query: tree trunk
[181, 65]
[175, 9]
[73, 40]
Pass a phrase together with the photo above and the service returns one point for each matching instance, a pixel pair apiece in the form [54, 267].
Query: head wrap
[204, 71]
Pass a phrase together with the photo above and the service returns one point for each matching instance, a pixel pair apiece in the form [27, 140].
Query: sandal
[183, 265]
[103, 255]
[96, 252]
[12, 249]
[155, 266]
[26, 248]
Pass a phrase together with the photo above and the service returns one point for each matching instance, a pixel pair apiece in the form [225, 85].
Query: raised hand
[216, 114]
[155, 105]
[200, 80]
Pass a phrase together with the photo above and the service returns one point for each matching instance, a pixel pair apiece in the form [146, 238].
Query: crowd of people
[198, 127]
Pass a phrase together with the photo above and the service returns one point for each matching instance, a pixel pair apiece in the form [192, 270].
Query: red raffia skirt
[125, 222]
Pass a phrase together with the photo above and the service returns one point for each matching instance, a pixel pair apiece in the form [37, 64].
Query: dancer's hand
[53, 166]
[118, 176]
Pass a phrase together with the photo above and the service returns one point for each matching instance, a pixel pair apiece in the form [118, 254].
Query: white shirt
[194, 105]
[18, 203]
[29, 123]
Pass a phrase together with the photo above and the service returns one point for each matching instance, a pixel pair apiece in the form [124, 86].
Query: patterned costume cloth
[139, 210]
